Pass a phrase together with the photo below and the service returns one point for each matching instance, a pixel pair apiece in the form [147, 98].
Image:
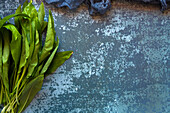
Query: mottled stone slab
[120, 62]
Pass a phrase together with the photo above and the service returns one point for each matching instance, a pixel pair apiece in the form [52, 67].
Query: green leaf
[50, 39]
[14, 30]
[32, 38]
[6, 49]
[48, 62]
[25, 4]
[34, 46]
[5, 58]
[39, 29]
[34, 60]
[58, 60]
[25, 26]
[41, 14]
[1, 48]
[44, 26]
[29, 92]
[2, 22]
[24, 52]
[38, 69]
[30, 10]
[15, 45]
[17, 23]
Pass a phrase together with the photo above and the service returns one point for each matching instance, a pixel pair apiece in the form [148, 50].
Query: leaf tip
[42, 3]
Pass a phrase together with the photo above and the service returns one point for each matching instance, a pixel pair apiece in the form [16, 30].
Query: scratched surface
[120, 63]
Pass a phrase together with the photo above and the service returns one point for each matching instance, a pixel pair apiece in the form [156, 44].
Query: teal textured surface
[120, 63]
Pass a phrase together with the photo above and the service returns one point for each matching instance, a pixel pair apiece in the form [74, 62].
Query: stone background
[120, 62]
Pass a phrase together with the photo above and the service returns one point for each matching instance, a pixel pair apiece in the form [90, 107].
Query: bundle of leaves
[24, 60]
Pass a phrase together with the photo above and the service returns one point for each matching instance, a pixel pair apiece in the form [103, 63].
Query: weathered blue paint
[120, 62]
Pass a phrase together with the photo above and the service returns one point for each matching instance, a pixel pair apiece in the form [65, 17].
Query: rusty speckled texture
[120, 63]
